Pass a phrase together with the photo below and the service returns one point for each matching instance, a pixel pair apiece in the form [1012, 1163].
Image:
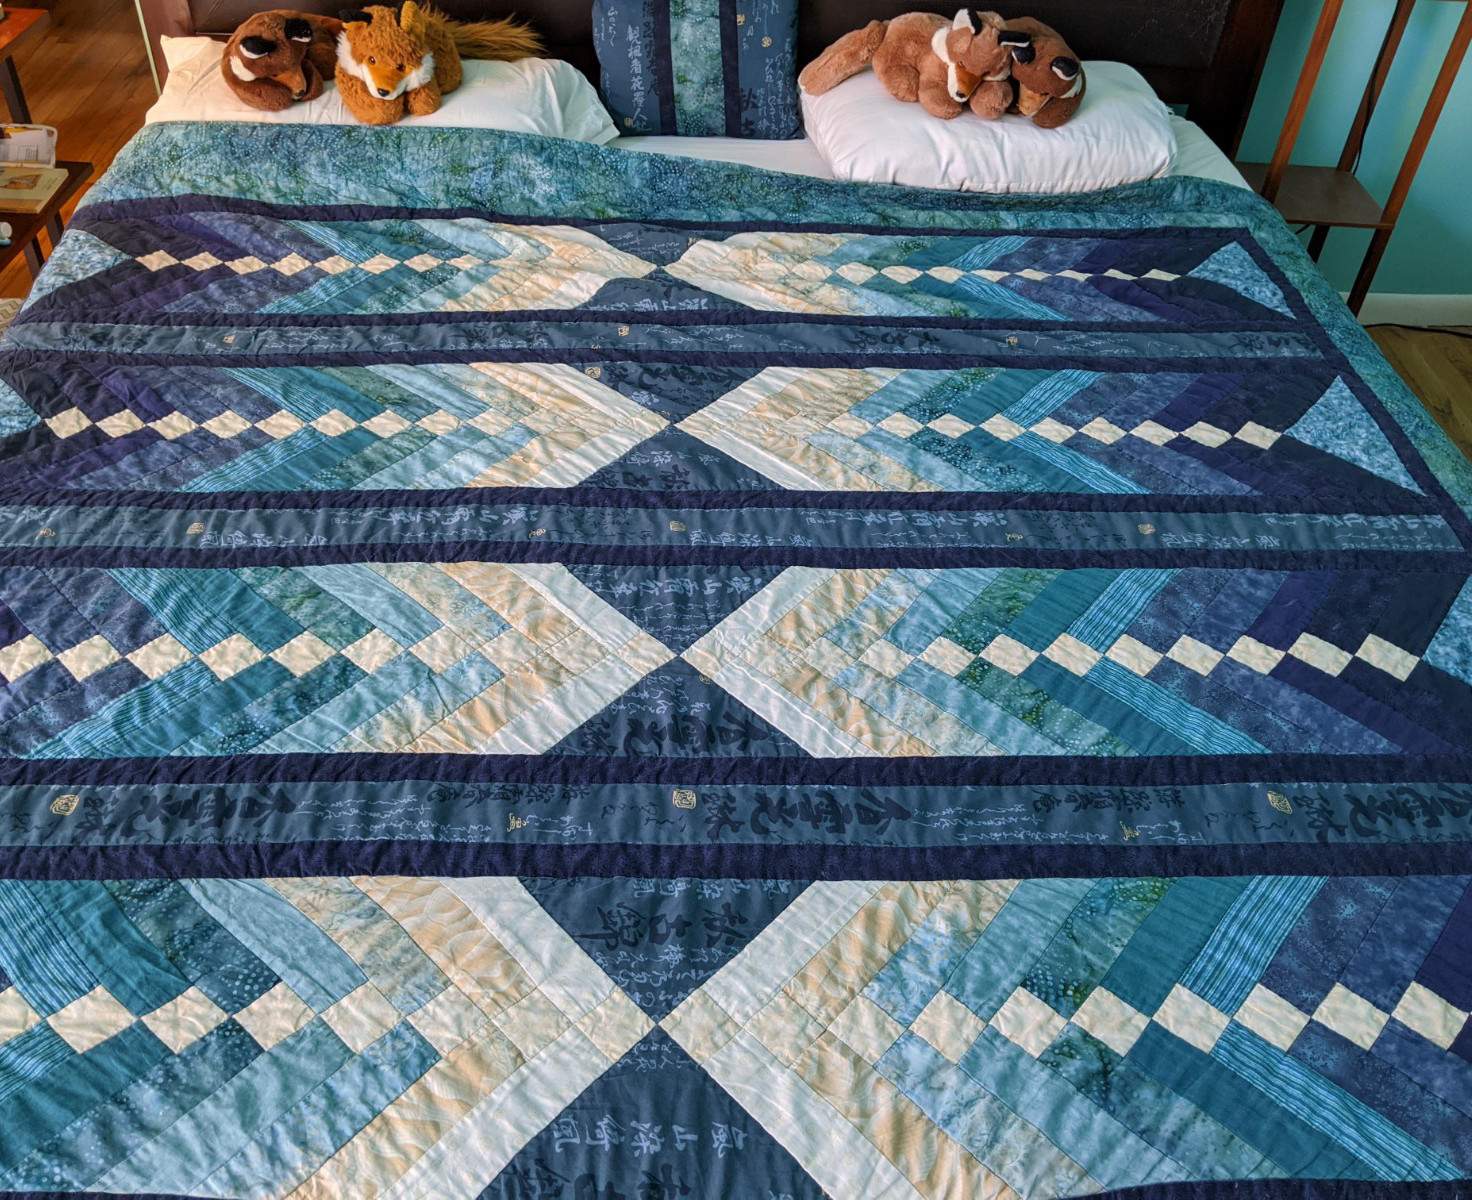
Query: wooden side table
[25, 228]
[1326, 197]
[20, 27]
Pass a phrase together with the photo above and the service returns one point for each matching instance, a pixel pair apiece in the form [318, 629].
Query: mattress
[531, 670]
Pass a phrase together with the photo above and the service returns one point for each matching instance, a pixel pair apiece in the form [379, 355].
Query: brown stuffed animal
[277, 58]
[923, 57]
[1048, 75]
[392, 63]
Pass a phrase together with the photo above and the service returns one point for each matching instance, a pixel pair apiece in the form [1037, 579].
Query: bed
[536, 670]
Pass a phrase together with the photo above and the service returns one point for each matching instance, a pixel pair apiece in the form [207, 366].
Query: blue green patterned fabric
[699, 68]
[541, 673]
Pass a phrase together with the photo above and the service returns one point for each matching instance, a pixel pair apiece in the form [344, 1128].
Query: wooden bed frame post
[1302, 94]
[164, 18]
[1450, 65]
[1224, 99]
[1356, 139]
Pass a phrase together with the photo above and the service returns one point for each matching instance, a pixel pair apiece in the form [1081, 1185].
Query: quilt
[538, 673]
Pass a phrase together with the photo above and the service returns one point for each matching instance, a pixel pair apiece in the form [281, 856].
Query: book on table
[26, 188]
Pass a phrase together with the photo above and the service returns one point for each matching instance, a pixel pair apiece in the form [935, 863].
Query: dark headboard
[1204, 54]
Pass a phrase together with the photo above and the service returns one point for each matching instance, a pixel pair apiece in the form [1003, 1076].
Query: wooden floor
[1438, 367]
[89, 77]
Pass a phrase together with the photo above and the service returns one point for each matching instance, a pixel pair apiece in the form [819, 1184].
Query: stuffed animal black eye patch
[1019, 43]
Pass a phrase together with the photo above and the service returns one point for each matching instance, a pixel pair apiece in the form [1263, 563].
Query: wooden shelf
[26, 227]
[1331, 197]
[19, 26]
[1320, 196]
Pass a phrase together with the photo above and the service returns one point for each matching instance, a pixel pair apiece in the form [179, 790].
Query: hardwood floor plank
[1437, 367]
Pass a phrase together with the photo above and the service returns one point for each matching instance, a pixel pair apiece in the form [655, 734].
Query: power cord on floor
[1460, 333]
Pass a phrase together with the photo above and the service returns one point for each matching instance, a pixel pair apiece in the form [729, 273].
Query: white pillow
[532, 95]
[179, 50]
[1122, 132]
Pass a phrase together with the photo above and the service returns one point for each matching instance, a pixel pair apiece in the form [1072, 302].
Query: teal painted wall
[1431, 251]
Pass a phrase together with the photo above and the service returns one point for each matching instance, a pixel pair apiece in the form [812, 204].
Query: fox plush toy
[392, 63]
[947, 66]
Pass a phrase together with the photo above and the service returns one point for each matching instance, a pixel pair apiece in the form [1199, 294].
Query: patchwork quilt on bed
[537, 672]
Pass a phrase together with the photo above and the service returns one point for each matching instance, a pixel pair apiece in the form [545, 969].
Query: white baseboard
[1412, 308]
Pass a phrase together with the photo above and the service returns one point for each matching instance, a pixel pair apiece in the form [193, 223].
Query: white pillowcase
[532, 95]
[1122, 132]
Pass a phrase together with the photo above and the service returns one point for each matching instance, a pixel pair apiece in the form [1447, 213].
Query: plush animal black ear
[1020, 43]
[298, 30]
[973, 18]
[1064, 67]
[256, 47]
[351, 16]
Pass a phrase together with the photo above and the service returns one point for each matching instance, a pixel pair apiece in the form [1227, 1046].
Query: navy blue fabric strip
[1295, 1189]
[569, 354]
[664, 66]
[1253, 1189]
[964, 201]
[939, 772]
[595, 497]
[730, 68]
[575, 316]
[97, 1196]
[262, 860]
[853, 557]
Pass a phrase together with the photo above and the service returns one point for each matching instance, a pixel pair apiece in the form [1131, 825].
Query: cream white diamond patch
[1351, 1016]
[945, 655]
[362, 1017]
[274, 1017]
[16, 1016]
[1271, 1017]
[1114, 1022]
[1192, 1019]
[160, 656]
[1389, 657]
[184, 1020]
[1435, 1019]
[1028, 1022]
[24, 655]
[948, 1026]
[89, 657]
[232, 656]
[1009, 654]
[90, 1020]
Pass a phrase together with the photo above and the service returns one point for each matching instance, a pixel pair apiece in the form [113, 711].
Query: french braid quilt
[532, 672]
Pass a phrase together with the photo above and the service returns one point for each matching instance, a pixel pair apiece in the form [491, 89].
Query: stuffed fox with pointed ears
[920, 56]
[393, 62]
